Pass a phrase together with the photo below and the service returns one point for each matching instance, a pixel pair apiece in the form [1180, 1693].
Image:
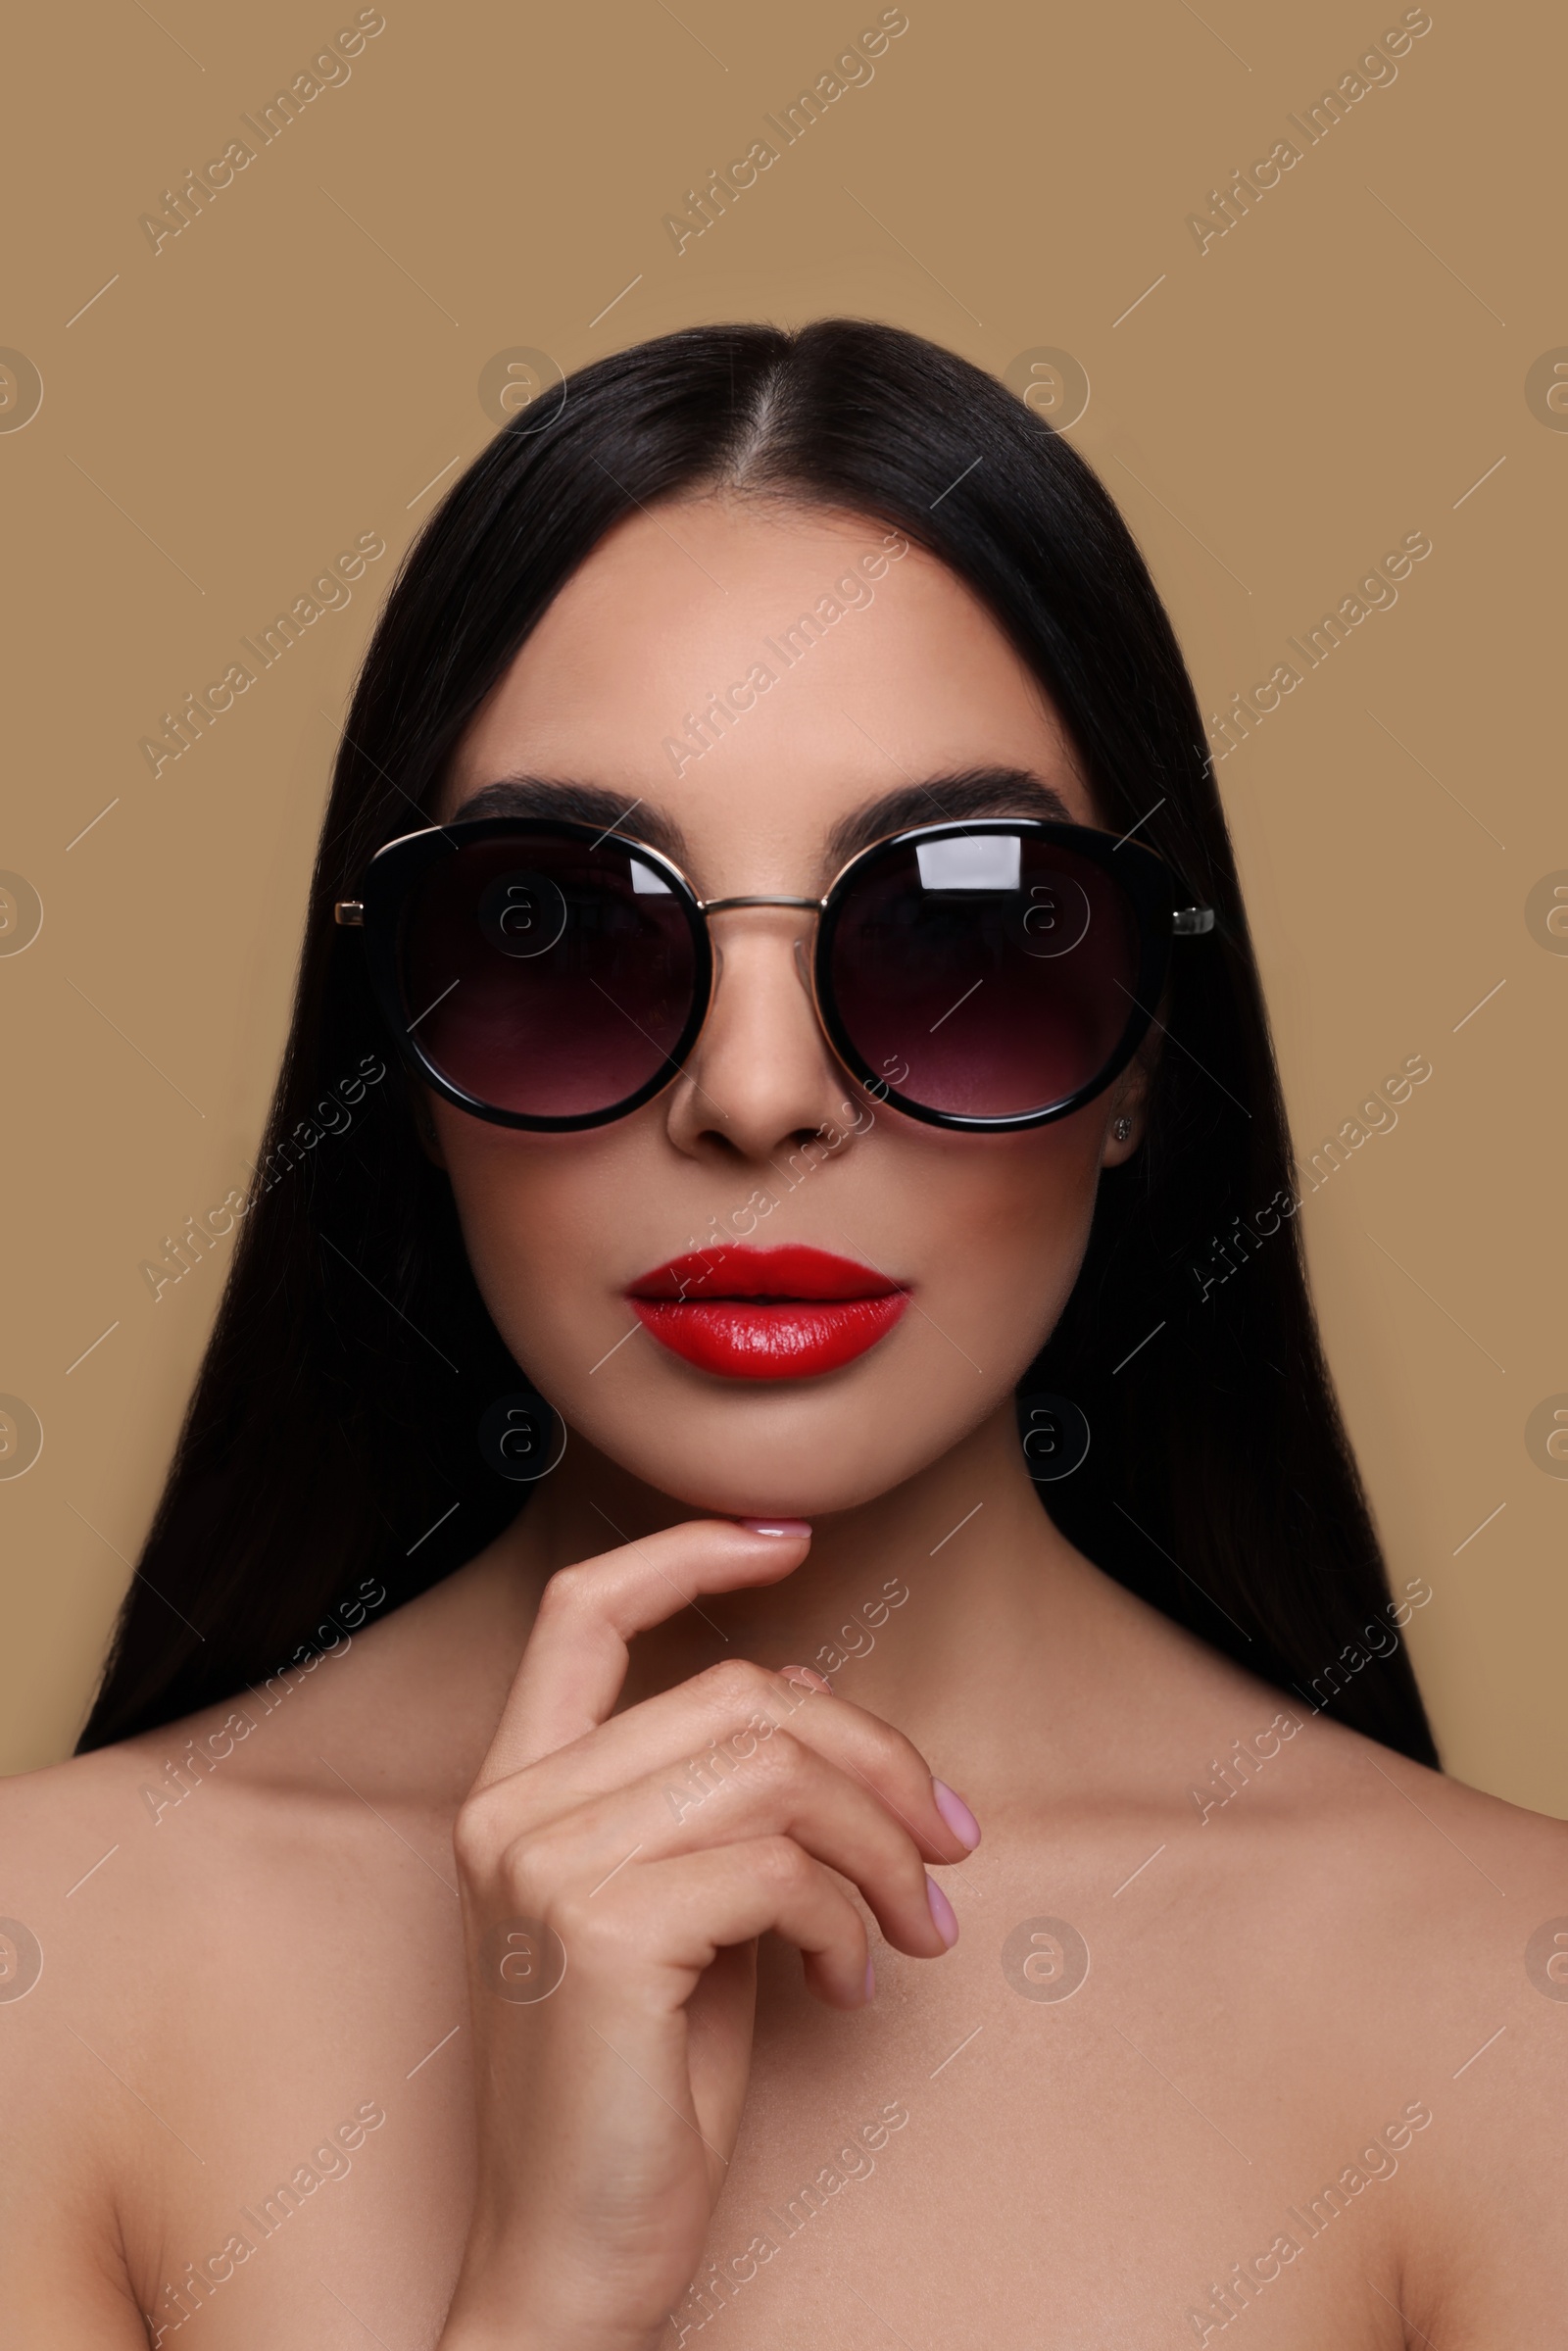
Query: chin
[797, 1450]
[765, 1482]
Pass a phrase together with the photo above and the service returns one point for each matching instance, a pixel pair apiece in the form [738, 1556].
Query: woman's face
[763, 1140]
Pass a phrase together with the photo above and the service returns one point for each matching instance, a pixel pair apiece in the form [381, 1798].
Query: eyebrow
[579, 803]
[950, 798]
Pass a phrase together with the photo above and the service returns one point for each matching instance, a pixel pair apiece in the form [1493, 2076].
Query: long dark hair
[330, 1443]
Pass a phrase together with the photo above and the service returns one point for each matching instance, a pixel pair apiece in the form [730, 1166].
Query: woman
[776, 987]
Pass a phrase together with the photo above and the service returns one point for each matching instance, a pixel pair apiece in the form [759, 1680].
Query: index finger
[576, 1658]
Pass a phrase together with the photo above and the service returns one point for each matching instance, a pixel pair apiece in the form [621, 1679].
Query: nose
[762, 1076]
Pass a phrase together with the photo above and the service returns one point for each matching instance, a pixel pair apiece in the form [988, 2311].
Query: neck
[912, 1605]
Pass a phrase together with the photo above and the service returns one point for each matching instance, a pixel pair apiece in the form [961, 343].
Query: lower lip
[794, 1339]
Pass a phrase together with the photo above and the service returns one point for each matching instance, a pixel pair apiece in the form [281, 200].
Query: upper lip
[730, 1271]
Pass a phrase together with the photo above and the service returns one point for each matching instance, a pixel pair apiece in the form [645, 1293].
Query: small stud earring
[1122, 1129]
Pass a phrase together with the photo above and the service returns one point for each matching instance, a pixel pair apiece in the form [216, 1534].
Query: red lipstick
[765, 1313]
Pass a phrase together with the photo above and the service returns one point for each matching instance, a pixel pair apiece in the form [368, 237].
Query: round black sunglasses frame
[393, 874]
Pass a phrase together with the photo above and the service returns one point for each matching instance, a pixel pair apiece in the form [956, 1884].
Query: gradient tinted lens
[546, 977]
[986, 975]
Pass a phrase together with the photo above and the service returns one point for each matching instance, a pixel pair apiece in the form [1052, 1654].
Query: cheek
[541, 1215]
[1014, 1212]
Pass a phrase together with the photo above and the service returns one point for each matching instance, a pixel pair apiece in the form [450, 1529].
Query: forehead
[757, 672]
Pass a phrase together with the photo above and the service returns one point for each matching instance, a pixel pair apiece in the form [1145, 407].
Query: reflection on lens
[558, 989]
[522, 914]
[1000, 978]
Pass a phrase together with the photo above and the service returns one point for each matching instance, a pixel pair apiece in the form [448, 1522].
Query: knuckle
[734, 1683]
[760, 1766]
[891, 1755]
[482, 1830]
[597, 1935]
[529, 1874]
[784, 1865]
[567, 1592]
[782, 1757]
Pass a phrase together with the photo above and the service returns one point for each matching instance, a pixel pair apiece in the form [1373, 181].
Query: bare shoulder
[179, 1902]
[112, 1858]
[1398, 1940]
[1409, 1875]
[1244, 1763]
[1381, 1807]
[1460, 1903]
[1409, 1843]
[130, 1848]
[62, 1829]
[73, 1943]
[100, 1888]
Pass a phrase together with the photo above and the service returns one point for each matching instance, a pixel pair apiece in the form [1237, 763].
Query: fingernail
[808, 1676]
[942, 1911]
[871, 1980]
[955, 1812]
[776, 1526]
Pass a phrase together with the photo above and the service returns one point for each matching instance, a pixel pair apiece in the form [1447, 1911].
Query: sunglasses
[983, 976]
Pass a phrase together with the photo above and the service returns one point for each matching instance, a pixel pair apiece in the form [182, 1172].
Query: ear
[1126, 1105]
[419, 1101]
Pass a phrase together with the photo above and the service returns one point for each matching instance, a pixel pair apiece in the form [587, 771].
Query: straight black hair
[331, 1446]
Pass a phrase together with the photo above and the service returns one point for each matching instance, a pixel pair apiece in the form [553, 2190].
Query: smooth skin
[600, 1763]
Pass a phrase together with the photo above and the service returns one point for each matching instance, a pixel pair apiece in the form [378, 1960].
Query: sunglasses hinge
[350, 913]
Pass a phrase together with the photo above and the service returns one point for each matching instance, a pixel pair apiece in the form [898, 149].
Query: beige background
[301, 365]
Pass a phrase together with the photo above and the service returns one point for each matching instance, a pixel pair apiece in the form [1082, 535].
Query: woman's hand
[615, 1875]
